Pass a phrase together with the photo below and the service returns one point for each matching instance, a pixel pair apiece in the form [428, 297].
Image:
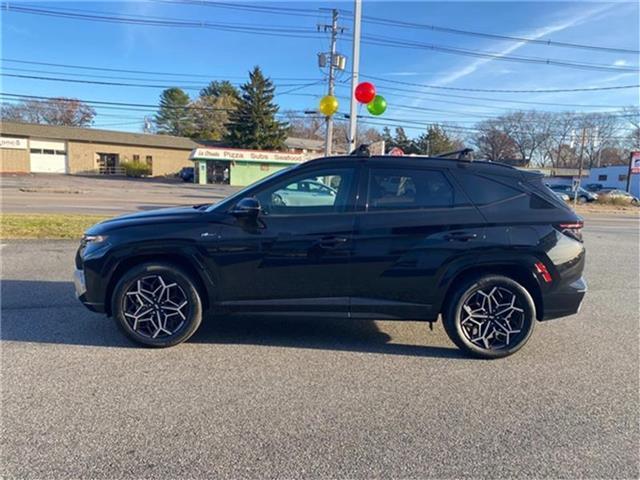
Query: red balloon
[365, 92]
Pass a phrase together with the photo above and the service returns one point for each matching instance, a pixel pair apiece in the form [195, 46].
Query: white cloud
[535, 34]
[620, 63]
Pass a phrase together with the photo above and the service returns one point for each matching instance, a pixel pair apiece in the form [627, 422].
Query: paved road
[42, 193]
[300, 398]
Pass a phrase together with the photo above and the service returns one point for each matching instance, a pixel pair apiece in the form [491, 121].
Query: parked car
[307, 192]
[619, 194]
[562, 196]
[187, 174]
[483, 245]
[594, 187]
[583, 195]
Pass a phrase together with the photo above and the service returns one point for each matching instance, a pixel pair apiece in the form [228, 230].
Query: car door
[412, 221]
[295, 258]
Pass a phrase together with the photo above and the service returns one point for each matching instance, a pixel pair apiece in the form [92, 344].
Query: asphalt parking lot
[257, 398]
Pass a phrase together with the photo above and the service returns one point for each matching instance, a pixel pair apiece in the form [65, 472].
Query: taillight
[573, 229]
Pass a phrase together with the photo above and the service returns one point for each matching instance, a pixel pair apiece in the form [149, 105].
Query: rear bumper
[565, 301]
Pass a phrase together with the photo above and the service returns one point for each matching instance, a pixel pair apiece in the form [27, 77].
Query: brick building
[26, 147]
[53, 149]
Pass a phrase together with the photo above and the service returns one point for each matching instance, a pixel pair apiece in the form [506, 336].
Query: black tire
[179, 323]
[468, 294]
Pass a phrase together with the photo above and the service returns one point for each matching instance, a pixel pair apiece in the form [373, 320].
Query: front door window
[321, 191]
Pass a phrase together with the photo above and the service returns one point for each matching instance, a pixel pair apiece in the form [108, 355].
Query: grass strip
[45, 226]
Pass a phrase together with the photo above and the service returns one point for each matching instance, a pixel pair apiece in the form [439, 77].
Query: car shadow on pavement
[314, 332]
[48, 312]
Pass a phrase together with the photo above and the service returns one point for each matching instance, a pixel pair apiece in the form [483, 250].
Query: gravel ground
[257, 398]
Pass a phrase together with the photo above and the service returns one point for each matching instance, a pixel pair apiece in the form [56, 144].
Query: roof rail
[462, 154]
[361, 151]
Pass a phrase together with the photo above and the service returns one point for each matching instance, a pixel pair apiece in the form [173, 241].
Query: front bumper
[80, 284]
[565, 301]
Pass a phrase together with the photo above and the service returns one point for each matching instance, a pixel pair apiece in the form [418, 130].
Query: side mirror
[248, 208]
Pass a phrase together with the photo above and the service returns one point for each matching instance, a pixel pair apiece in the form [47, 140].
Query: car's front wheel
[157, 305]
[490, 317]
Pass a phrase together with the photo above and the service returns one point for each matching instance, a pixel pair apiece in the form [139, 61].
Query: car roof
[483, 166]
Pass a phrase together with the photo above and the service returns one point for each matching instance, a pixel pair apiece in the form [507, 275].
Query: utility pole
[355, 72]
[336, 62]
[575, 193]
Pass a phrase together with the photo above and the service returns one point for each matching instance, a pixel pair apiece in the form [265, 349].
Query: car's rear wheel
[157, 305]
[490, 317]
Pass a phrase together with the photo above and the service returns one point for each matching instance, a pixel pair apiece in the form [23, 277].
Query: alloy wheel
[493, 318]
[155, 307]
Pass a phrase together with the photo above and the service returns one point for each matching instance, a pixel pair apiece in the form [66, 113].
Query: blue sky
[204, 53]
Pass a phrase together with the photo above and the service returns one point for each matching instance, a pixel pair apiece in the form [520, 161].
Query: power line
[501, 90]
[102, 103]
[400, 43]
[436, 28]
[141, 85]
[141, 72]
[284, 31]
[403, 24]
[304, 33]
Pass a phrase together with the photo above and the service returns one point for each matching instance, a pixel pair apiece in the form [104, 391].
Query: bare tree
[493, 142]
[600, 131]
[54, 111]
[560, 141]
[310, 126]
[528, 130]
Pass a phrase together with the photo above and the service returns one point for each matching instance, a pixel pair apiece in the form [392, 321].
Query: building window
[60, 152]
[136, 158]
[149, 160]
[622, 177]
[36, 150]
[48, 152]
[602, 178]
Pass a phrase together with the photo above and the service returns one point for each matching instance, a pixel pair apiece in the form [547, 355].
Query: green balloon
[377, 106]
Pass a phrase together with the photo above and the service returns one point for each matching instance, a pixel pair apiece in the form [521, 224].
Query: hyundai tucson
[485, 247]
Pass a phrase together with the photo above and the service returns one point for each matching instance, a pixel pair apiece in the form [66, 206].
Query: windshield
[230, 200]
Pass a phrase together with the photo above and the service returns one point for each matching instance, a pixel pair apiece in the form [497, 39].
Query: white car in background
[305, 193]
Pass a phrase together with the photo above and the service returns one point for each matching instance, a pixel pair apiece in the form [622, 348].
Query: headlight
[86, 239]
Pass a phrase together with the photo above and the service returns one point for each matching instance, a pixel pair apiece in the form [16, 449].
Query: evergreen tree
[174, 116]
[219, 89]
[253, 124]
[436, 141]
[212, 109]
[388, 139]
[402, 141]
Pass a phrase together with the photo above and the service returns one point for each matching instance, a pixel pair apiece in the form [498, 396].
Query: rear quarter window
[484, 191]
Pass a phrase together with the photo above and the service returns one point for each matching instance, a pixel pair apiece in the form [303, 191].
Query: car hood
[163, 215]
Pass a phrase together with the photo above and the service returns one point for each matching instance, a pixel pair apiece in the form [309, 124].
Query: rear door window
[408, 189]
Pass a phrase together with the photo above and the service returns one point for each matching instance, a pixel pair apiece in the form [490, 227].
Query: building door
[218, 172]
[48, 156]
[108, 163]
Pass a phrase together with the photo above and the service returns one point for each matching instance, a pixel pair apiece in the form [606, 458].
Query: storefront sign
[245, 155]
[17, 143]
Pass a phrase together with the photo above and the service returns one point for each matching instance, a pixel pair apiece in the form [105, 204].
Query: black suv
[485, 245]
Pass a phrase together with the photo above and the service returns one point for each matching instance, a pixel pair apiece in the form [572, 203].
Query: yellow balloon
[328, 105]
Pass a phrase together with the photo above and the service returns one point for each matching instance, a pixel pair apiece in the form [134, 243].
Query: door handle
[460, 236]
[332, 242]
